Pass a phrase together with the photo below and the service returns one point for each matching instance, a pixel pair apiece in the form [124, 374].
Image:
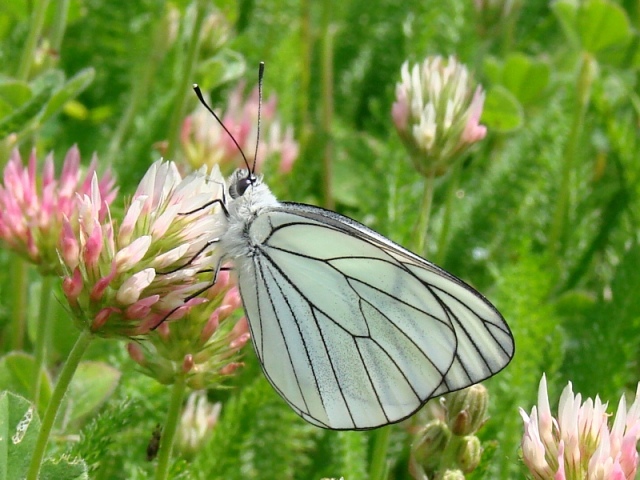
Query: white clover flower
[437, 112]
[579, 444]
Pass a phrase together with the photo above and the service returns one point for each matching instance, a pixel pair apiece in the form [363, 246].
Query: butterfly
[351, 329]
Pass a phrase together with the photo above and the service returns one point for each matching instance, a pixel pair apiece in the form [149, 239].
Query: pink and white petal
[170, 258]
[130, 255]
[131, 289]
[131, 219]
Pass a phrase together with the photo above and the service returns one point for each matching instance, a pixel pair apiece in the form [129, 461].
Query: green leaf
[16, 375]
[92, 384]
[602, 24]
[64, 468]
[493, 68]
[525, 77]
[19, 426]
[14, 92]
[74, 87]
[18, 120]
[502, 111]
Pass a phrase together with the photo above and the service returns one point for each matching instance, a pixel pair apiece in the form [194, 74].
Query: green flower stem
[170, 428]
[59, 24]
[62, 385]
[454, 181]
[379, 467]
[306, 56]
[584, 82]
[186, 80]
[42, 335]
[425, 213]
[139, 92]
[35, 29]
[449, 457]
[19, 286]
[327, 103]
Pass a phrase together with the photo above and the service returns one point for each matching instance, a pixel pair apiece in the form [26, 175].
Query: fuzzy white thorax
[236, 241]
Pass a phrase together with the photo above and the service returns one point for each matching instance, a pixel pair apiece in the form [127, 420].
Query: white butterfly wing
[354, 331]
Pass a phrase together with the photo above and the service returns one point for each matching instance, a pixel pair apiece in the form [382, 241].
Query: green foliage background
[573, 304]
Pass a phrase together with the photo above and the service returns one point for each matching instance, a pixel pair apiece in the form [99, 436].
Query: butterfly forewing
[353, 330]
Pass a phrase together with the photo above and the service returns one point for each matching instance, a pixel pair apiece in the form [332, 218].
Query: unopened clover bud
[494, 15]
[187, 363]
[452, 475]
[467, 409]
[469, 453]
[430, 444]
[136, 353]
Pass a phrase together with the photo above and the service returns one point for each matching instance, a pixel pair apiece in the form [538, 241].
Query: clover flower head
[204, 142]
[36, 205]
[203, 346]
[579, 443]
[125, 279]
[437, 112]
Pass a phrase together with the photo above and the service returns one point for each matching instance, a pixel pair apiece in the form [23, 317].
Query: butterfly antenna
[196, 89]
[260, 76]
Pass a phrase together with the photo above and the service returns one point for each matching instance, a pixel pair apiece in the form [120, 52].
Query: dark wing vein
[395, 263]
[391, 357]
[259, 265]
[313, 308]
[333, 367]
[404, 334]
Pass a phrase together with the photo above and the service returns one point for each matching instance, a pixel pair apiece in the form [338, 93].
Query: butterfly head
[240, 181]
[249, 194]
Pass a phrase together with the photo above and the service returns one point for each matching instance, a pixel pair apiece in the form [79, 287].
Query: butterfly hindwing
[354, 331]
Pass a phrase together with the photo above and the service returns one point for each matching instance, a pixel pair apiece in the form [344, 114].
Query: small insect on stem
[154, 443]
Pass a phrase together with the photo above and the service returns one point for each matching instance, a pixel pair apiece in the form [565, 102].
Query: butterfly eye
[238, 189]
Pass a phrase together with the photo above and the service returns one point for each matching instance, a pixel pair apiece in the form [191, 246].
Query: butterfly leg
[222, 202]
[192, 259]
[218, 269]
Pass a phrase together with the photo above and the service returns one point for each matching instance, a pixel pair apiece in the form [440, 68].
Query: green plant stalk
[306, 48]
[509, 29]
[327, 105]
[59, 24]
[454, 181]
[448, 459]
[66, 374]
[42, 334]
[186, 81]
[170, 428]
[141, 85]
[19, 286]
[422, 226]
[378, 467]
[35, 29]
[558, 225]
